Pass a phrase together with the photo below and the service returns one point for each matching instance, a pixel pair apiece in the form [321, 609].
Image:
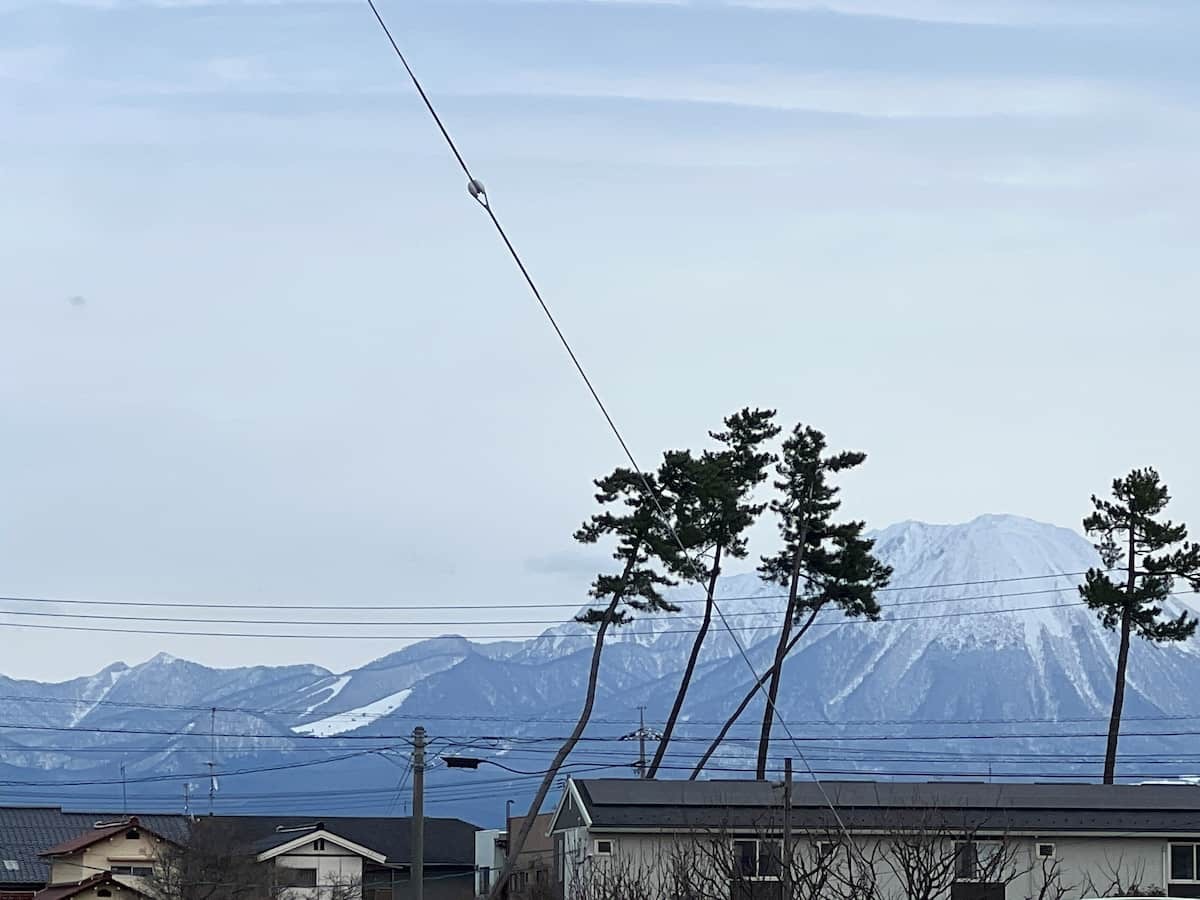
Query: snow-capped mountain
[985, 663]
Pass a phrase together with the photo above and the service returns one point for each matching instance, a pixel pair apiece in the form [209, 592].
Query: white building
[876, 841]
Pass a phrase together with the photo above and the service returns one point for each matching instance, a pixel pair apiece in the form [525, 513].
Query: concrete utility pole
[641, 742]
[417, 863]
[786, 874]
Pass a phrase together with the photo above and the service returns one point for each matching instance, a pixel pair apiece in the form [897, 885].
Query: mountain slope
[986, 663]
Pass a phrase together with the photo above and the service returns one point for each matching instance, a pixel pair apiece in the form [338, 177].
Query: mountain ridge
[983, 623]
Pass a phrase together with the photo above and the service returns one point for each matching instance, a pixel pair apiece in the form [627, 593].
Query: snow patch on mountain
[334, 689]
[353, 719]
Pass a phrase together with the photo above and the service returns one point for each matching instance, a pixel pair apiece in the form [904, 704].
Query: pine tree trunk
[1118, 704]
[764, 738]
[515, 847]
[729, 723]
[1114, 722]
[681, 694]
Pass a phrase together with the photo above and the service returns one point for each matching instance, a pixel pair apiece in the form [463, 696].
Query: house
[26, 833]
[326, 860]
[924, 841]
[490, 847]
[533, 876]
[52, 854]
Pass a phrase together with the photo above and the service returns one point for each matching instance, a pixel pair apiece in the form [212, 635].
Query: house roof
[864, 805]
[96, 835]
[64, 891]
[448, 842]
[27, 831]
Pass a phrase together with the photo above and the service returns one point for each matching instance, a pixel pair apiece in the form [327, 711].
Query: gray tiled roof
[27, 831]
[632, 803]
[448, 842]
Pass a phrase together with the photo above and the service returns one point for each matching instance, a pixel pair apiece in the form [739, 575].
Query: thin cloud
[857, 94]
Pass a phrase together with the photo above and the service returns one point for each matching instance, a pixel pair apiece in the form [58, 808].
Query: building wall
[489, 858]
[102, 856]
[1085, 866]
[339, 872]
[534, 869]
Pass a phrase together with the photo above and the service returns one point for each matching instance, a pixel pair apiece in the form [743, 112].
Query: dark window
[826, 849]
[1183, 890]
[319, 844]
[770, 859]
[485, 880]
[1183, 862]
[745, 858]
[103, 892]
[757, 859]
[541, 876]
[139, 871]
[979, 890]
[132, 834]
[297, 878]
[604, 848]
[560, 854]
[1046, 851]
[976, 860]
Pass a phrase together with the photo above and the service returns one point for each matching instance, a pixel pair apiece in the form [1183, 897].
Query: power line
[597, 720]
[443, 606]
[626, 631]
[456, 622]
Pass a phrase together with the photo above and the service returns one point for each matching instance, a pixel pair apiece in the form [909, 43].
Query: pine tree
[820, 562]
[1152, 554]
[712, 512]
[642, 540]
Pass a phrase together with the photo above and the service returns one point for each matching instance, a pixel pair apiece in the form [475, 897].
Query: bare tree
[1120, 877]
[212, 864]
[1051, 885]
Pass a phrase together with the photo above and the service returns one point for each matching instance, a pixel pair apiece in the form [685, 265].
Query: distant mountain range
[988, 666]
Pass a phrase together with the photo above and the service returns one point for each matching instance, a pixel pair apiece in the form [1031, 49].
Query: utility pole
[212, 759]
[417, 863]
[786, 874]
[641, 742]
[642, 734]
[124, 792]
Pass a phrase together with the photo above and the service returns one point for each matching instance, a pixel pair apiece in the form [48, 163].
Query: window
[1184, 864]
[757, 859]
[132, 834]
[297, 878]
[11, 865]
[976, 860]
[540, 877]
[319, 844]
[826, 849]
[485, 880]
[1046, 851]
[137, 871]
[604, 848]
[103, 892]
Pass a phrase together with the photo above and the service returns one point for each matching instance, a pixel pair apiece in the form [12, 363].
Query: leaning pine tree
[1151, 554]
[642, 539]
[712, 512]
[820, 562]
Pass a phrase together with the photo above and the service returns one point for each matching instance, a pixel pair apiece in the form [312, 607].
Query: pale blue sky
[958, 234]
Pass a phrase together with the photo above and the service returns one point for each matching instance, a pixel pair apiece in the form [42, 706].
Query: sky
[259, 346]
